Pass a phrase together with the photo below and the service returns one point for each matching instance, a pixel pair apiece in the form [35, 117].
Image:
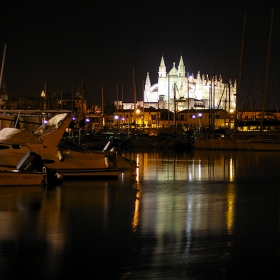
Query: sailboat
[266, 142]
[230, 142]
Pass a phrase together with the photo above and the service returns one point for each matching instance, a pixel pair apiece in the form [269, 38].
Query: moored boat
[71, 160]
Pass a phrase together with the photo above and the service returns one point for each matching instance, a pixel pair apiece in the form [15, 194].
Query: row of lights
[199, 115]
[116, 117]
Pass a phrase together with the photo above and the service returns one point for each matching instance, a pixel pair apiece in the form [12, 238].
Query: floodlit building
[177, 90]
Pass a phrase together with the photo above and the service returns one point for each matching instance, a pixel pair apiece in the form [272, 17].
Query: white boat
[69, 159]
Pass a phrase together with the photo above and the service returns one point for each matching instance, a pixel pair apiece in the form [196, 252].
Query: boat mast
[267, 68]
[238, 88]
[2, 68]
[102, 107]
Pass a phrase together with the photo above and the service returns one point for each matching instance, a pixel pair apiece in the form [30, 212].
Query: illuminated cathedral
[176, 90]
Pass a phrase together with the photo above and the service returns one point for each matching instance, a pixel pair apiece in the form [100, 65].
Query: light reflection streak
[199, 170]
[230, 208]
[135, 220]
[231, 170]
[137, 168]
[106, 206]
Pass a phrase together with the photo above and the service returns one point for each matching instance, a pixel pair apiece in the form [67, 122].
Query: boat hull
[19, 178]
[266, 144]
[85, 174]
[202, 144]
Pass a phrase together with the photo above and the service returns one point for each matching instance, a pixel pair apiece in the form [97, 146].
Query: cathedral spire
[181, 68]
[147, 89]
[148, 82]
[162, 69]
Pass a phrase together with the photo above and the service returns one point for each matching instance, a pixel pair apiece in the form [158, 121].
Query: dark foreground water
[197, 215]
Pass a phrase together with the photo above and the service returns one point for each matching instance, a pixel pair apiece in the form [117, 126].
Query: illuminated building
[188, 92]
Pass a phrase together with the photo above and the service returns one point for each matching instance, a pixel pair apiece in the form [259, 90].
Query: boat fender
[60, 156]
[106, 162]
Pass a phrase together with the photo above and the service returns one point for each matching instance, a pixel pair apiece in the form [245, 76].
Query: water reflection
[57, 233]
[200, 165]
[192, 211]
[196, 215]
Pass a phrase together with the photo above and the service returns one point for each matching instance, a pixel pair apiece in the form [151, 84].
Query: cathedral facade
[176, 90]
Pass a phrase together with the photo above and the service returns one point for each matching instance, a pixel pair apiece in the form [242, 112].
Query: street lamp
[199, 121]
[137, 112]
[43, 95]
[117, 117]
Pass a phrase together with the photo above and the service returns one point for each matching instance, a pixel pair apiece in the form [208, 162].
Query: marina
[137, 143]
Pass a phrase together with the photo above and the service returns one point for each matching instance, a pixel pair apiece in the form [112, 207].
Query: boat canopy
[17, 136]
[52, 124]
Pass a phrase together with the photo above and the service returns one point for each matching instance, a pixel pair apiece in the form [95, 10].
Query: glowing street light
[43, 95]
[117, 117]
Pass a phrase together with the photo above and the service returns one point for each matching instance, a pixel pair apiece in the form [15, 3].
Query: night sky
[53, 42]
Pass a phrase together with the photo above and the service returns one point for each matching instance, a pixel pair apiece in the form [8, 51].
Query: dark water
[197, 215]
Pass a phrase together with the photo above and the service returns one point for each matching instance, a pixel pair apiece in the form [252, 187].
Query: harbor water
[187, 215]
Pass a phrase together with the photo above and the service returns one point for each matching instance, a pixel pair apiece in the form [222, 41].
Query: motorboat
[69, 159]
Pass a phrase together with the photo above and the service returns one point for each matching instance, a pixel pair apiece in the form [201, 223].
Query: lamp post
[199, 121]
[123, 119]
[43, 96]
[117, 118]
[137, 112]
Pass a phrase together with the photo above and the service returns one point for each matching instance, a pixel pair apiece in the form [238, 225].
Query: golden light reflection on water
[185, 212]
[231, 169]
[137, 168]
[206, 165]
[135, 220]
[193, 210]
[230, 207]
